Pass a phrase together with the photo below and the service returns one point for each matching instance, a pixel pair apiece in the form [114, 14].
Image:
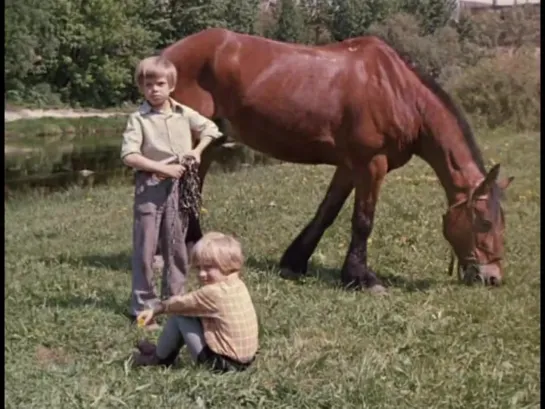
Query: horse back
[280, 95]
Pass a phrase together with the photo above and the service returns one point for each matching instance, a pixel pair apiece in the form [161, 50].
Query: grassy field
[431, 344]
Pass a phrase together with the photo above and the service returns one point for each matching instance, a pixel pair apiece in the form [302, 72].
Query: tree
[30, 44]
[431, 14]
[290, 23]
[100, 44]
[241, 15]
[317, 15]
[352, 18]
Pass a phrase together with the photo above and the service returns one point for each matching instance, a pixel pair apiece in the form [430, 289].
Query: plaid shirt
[227, 314]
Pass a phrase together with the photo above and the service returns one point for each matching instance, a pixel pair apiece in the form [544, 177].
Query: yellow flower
[204, 211]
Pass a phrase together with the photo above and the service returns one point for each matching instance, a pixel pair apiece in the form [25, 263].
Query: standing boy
[156, 138]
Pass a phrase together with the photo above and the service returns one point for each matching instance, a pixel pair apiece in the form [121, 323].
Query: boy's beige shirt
[158, 136]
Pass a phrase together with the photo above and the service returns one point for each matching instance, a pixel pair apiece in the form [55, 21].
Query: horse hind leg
[355, 272]
[294, 262]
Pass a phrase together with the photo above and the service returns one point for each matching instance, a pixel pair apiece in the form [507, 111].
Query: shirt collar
[145, 108]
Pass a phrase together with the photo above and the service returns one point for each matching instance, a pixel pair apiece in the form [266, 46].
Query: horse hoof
[289, 274]
[378, 289]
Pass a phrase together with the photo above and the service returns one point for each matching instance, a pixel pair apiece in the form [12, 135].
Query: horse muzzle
[487, 274]
[471, 273]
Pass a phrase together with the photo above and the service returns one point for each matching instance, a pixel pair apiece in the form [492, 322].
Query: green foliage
[352, 18]
[83, 53]
[431, 14]
[318, 15]
[191, 16]
[290, 23]
[241, 16]
[503, 90]
[86, 50]
[101, 42]
[497, 90]
[510, 28]
[30, 43]
[435, 54]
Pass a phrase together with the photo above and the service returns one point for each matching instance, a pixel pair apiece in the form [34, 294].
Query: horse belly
[300, 145]
[289, 111]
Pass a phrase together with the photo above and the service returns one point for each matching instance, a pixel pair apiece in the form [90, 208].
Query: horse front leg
[355, 272]
[294, 262]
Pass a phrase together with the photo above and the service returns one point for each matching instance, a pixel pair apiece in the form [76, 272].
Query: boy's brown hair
[154, 67]
[218, 250]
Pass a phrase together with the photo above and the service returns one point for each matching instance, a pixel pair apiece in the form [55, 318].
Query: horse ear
[487, 182]
[504, 183]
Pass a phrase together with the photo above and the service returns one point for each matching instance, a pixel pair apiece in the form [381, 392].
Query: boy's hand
[173, 171]
[195, 154]
[144, 318]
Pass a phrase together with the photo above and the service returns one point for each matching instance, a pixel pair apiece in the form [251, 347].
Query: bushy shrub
[496, 89]
[436, 54]
[503, 90]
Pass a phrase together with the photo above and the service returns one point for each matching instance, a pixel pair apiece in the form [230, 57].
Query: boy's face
[157, 90]
[210, 275]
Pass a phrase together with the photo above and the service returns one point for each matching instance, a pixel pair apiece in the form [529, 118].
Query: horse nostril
[480, 279]
[494, 281]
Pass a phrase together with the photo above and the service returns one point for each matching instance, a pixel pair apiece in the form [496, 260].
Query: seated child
[217, 322]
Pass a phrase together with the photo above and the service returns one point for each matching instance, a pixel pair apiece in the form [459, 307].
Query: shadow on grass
[332, 276]
[117, 262]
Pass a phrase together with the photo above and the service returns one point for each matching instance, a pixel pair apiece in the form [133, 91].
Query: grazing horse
[357, 105]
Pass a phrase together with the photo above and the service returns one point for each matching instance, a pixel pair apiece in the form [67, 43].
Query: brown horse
[357, 105]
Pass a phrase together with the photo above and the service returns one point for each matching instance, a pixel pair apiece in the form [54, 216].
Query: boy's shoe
[140, 359]
[146, 347]
[147, 355]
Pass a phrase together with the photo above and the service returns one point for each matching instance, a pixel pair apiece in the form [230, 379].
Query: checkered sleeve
[199, 303]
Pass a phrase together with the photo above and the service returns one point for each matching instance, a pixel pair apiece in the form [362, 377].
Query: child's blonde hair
[218, 250]
[154, 67]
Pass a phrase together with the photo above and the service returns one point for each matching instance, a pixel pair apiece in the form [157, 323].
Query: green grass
[431, 344]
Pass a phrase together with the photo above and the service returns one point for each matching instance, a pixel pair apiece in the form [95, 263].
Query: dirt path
[14, 115]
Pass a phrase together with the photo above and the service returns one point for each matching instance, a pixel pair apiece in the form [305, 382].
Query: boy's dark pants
[156, 218]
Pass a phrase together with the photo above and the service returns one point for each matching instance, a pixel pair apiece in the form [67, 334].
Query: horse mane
[429, 82]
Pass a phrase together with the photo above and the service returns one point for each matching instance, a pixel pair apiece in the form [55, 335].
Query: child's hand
[173, 171]
[144, 318]
[195, 154]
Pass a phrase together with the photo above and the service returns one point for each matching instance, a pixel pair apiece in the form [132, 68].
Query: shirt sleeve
[132, 137]
[199, 303]
[200, 124]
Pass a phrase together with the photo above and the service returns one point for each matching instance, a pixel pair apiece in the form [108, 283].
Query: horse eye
[486, 225]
